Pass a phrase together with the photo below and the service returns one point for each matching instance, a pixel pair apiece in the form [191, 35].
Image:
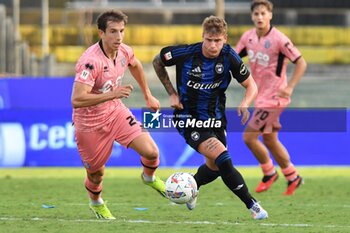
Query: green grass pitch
[322, 204]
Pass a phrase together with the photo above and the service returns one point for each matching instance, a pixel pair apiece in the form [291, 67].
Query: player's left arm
[251, 90]
[138, 73]
[299, 70]
[291, 52]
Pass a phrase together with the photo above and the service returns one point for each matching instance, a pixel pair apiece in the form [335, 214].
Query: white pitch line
[141, 221]
[217, 204]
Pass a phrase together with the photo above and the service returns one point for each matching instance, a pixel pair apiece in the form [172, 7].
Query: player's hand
[243, 111]
[153, 103]
[285, 92]
[175, 102]
[123, 91]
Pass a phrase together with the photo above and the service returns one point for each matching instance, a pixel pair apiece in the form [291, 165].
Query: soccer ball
[180, 187]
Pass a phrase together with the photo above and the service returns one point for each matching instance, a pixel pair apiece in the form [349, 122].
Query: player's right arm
[163, 76]
[82, 96]
[241, 49]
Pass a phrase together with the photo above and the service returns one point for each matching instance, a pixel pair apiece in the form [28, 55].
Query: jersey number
[263, 114]
[132, 120]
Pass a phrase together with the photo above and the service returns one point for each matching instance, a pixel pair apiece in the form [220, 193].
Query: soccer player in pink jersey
[267, 49]
[100, 117]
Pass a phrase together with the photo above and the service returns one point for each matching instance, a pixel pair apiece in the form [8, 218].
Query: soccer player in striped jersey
[203, 72]
[99, 115]
[267, 49]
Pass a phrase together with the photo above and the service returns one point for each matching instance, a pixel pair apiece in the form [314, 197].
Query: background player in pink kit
[100, 117]
[267, 49]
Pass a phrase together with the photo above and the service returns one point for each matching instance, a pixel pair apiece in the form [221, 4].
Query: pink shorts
[95, 147]
[266, 120]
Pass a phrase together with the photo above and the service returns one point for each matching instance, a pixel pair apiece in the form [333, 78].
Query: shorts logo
[86, 165]
[151, 120]
[195, 136]
[219, 68]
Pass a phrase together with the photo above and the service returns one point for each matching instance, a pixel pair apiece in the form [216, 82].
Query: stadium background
[38, 50]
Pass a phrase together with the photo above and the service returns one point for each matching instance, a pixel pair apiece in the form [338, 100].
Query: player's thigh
[126, 127]
[145, 146]
[211, 148]
[94, 148]
[270, 138]
[250, 134]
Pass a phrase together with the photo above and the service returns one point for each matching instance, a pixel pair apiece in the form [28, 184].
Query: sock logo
[238, 187]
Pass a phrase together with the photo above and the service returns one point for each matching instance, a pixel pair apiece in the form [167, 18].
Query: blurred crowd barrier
[319, 44]
[320, 29]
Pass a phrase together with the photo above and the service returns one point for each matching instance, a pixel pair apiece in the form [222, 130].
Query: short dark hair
[265, 3]
[214, 25]
[113, 15]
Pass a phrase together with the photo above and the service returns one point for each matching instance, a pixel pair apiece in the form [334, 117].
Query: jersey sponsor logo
[203, 86]
[259, 57]
[168, 56]
[196, 72]
[243, 69]
[84, 74]
[219, 68]
[89, 66]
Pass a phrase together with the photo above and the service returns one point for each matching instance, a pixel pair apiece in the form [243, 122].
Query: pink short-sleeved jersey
[267, 59]
[94, 68]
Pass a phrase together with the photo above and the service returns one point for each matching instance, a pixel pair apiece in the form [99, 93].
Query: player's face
[261, 17]
[113, 36]
[212, 44]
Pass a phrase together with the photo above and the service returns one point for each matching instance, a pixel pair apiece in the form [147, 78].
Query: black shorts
[195, 136]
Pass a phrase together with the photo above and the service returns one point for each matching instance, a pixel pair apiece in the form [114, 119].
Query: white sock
[99, 201]
[148, 178]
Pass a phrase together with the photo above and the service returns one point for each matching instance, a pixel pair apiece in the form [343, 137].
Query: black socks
[205, 175]
[233, 179]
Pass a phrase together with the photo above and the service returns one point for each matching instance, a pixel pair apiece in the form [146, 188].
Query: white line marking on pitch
[297, 225]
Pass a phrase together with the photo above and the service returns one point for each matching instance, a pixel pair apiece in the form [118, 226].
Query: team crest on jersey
[219, 68]
[195, 136]
[123, 61]
[243, 69]
[168, 56]
[267, 44]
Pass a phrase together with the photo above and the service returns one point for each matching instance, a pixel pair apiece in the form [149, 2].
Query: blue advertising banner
[36, 130]
[46, 138]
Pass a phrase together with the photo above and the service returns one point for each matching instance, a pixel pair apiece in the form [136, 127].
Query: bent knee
[269, 140]
[249, 138]
[151, 152]
[96, 177]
